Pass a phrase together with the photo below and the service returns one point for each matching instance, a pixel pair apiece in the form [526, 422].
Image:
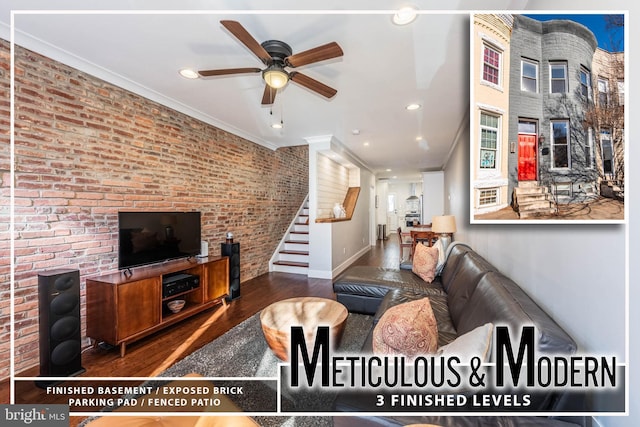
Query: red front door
[527, 165]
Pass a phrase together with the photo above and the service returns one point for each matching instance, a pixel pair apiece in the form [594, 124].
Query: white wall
[333, 246]
[333, 181]
[575, 272]
[433, 189]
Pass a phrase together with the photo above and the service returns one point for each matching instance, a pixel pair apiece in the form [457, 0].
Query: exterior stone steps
[531, 200]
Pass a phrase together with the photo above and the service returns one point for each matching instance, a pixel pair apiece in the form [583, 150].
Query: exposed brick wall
[86, 149]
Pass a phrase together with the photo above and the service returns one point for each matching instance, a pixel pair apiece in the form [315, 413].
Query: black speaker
[60, 331]
[232, 250]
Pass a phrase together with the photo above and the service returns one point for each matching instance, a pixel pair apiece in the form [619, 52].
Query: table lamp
[444, 225]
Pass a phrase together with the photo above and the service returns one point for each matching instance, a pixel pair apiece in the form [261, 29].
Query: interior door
[527, 160]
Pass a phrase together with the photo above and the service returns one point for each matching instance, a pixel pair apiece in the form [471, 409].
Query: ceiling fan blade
[227, 71]
[317, 54]
[312, 84]
[269, 95]
[247, 39]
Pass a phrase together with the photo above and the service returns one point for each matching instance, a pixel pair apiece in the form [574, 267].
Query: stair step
[536, 212]
[292, 263]
[530, 190]
[534, 205]
[527, 184]
[291, 252]
[523, 198]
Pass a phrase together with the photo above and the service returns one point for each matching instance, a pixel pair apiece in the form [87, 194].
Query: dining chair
[405, 242]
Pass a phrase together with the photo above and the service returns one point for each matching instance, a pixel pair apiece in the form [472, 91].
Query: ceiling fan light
[275, 77]
[188, 73]
[405, 15]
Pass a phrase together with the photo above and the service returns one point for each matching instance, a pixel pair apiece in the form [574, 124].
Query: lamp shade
[275, 77]
[443, 224]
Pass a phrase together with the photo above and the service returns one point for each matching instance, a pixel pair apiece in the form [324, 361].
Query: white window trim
[609, 139]
[606, 91]
[498, 141]
[621, 92]
[534, 63]
[589, 89]
[487, 205]
[590, 144]
[492, 46]
[552, 144]
[566, 79]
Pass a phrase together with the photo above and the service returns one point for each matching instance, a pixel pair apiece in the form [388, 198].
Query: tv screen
[151, 237]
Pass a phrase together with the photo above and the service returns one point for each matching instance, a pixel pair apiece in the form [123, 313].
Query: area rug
[243, 352]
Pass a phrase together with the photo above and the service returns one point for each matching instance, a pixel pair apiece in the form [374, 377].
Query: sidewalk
[600, 209]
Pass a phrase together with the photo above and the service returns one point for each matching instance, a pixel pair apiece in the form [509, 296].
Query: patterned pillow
[408, 329]
[425, 260]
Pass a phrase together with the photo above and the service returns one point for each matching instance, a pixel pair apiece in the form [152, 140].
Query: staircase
[531, 200]
[612, 189]
[293, 253]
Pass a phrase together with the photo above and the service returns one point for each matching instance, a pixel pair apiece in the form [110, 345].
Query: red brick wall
[86, 149]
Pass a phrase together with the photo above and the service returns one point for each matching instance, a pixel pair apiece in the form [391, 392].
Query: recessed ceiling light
[388, 170]
[419, 138]
[405, 15]
[277, 125]
[366, 143]
[412, 107]
[188, 73]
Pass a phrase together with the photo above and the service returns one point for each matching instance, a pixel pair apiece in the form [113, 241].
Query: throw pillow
[441, 256]
[425, 260]
[408, 329]
[476, 342]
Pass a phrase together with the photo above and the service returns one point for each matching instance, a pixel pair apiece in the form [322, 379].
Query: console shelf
[122, 308]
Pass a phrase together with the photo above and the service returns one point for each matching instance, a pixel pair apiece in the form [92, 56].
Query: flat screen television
[153, 237]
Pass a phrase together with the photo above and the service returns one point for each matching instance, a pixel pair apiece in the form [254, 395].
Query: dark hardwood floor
[155, 353]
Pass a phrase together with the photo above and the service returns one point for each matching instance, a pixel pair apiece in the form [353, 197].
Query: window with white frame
[491, 60]
[558, 73]
[603, 92]
[488, 197]
[585, 82]
[588, 150]
[529, 81]
[620, 92]
[607, 151]
[560, 144]
[489, 131]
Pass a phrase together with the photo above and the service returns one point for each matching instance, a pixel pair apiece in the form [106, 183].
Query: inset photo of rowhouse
[547, 118]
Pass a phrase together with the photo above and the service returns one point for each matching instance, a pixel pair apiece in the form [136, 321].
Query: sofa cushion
[408, 329]
[425, 261]
[499, 300]
[453, 255]
[471, 268]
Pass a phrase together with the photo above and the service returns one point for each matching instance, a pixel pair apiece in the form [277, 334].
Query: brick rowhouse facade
[564, 44]
[85, 149]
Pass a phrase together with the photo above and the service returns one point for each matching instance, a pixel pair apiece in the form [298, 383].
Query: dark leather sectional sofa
[468, 293]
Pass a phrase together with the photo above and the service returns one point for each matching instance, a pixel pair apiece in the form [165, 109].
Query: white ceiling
[384, 68]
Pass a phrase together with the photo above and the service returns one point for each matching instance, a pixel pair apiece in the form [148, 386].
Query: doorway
[527, 151]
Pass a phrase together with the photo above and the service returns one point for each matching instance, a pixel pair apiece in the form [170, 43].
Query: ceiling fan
[277, 56]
